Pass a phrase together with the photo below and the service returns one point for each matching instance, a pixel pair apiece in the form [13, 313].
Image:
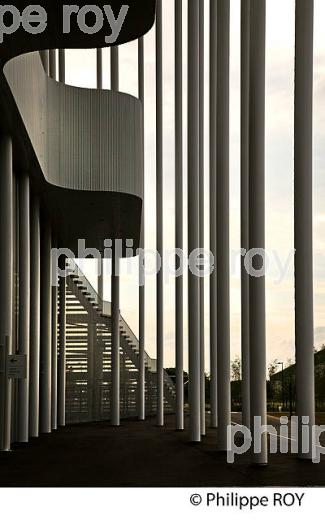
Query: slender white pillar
[52, 63]
[115, 68]
[54, 307]
[213, 213]
[201, 211]
[54, 377]
[35, 274]
[6, 284]
[45, 60]
[62, 65]
[193, 219]
[24, 304]
[223, 273]
[99, 80]
[62, 346]
[94, 338]
[142, 294]
[46, 328]
[115, 285]
[115, 351]
[245, 34]
[257, 334]
[179, 244]
[100, 279]
[91, 378]
[160, 217]
[305, 389]
[99, 68]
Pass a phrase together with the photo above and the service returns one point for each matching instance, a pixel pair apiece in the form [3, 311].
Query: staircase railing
[105, 309]
[75, 270]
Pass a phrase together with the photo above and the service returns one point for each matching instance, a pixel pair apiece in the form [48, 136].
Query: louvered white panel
[84, 139]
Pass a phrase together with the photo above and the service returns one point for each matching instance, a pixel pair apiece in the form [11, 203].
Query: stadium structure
[72, 167]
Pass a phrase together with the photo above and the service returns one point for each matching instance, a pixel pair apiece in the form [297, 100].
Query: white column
[99, 80]
[6, 284]
[142, 294]
[223, 253]
[62, 346]
[35, 274]
[245, 34]
[257, 333]
[115, 419]
[52, 63]
[62, 65]
[160, 231]
[46, 329]
[115, 350]
[305, 390]
[24, 304]
[99, 68]
[213, 210]
[201, 211]
[54, 377]
[54, 295]
[115, 68]
[179, 244]
[193, 219]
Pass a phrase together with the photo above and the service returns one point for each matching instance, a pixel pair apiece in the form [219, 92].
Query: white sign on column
[16, 366]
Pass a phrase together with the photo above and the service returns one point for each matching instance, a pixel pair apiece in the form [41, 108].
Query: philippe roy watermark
[199, 262]
[174, 263]
[90, 19]
[283, 439]
[247, 501]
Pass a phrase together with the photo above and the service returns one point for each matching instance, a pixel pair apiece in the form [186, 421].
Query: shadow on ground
[143, 455]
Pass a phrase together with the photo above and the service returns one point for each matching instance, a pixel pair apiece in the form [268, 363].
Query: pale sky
[81, 70]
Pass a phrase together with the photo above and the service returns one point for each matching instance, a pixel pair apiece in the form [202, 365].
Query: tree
[236, 369]
[289, 363]
[272, 368]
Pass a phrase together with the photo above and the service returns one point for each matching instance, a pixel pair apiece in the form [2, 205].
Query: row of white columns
[37, 339]
[38, 402]
[253, 235]
[115, 279]
[253, 46]
[52, 373]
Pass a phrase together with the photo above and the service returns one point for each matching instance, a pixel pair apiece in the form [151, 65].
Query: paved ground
[141, 454]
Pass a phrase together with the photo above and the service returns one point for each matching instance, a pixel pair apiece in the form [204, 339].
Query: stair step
[129, 349]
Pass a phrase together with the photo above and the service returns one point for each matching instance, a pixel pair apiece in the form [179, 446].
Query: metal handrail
[151, 363]
[74, 269]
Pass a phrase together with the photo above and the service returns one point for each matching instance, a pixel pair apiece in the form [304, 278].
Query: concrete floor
[143, 455]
